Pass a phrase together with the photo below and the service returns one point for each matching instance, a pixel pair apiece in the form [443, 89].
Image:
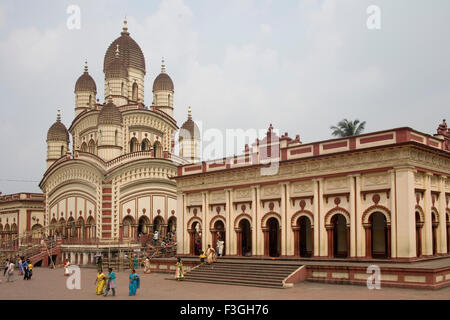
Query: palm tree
[347, 128]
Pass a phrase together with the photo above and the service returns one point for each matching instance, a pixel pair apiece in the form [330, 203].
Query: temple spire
[85, 66]
[163, 66]
[189, 113]
[125, 28]
[58, 115]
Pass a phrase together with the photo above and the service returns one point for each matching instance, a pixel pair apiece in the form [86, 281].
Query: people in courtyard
[10, 271]
[210, 255]
[134, 283]
[20, 266]
[6, 267]
[25, 270]
[202, 257]
[155, 237]
[179, 273]
[66, 268]
[220, 245]
[147, 265]
[111, 284]
[30, 269]
[100, 281]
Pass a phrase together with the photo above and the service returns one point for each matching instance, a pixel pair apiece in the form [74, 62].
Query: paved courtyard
[51, 284]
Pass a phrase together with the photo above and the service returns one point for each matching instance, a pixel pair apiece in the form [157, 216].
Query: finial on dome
[125, 28]
[58, 115]
[117, 51]
[85, 66]
[163, 66]
[189, 113]
[110, 100]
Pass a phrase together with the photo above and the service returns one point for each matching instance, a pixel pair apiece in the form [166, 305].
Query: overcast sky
[301, 65]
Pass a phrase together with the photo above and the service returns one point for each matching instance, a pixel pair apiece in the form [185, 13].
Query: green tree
[347, 128]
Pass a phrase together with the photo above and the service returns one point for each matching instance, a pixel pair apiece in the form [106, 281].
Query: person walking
[100, 281]
[134, 283]
[25, 270]
[220, 245]
[111, 282]
[210, 255]
[30, 269]
[147, 266]
[66, 268]
[10, 271]
[20, 266]
[6, 267]
[179, 273]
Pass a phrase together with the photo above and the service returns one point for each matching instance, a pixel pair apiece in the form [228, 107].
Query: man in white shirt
[10, 272]
[155, 237]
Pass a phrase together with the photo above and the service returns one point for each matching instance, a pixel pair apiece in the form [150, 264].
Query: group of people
[25, 268]
[108, 282]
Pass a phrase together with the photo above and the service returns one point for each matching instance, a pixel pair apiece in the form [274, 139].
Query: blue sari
[134, 284]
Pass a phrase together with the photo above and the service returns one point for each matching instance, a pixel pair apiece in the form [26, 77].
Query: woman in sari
[100, 281]
[210, 255]
[111, 284]
[147, 266]
[134, 283]
[179, 273]
[66, 268]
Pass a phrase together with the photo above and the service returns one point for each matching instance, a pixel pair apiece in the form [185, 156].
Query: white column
[229, 224]
[254, 229]
[427, 226]
[207, 220]
[360, 233]
[353, 222]
[393, 205]
[406, 235]
[182, 241]
[233, 242]
[204, 222]
[283, 219]
[257, 225]
[289, 231]
[316, 217]
[441, 206]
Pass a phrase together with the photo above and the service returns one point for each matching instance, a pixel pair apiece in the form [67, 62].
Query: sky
[302, 65]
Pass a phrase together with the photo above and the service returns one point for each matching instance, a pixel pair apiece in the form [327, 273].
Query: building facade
[112, 184]
[378, 195]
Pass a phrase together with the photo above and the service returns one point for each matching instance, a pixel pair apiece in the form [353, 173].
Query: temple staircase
[254, 274]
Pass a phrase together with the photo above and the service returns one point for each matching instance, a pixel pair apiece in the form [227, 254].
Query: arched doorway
[435, 224]
[158, 223]
[245, 238]
[340, 236]
[127, 228]
[71, 227]
[144, 225]
[134, 145]
[157, 150]
[419, 225]
[80, 228]
[274, 237]
[305, 238]
[378, 239]
[195, 238]
[90, 228]
[36, 233]
[218, 233]
[145, 145]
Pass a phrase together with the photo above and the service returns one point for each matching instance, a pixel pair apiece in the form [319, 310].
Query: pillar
[254, 221]
[368, 238]
[329, 230]
[266, 241]
[427, 248]
[353, 239]
[393, 205]
[297, 241]
[283, 222]
[257, 224]
[228, 221]
[441, 206]
[316, 249]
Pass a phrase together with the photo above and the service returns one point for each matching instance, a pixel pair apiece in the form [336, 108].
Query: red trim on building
[384, 137]
[334, 145]
[300, 151]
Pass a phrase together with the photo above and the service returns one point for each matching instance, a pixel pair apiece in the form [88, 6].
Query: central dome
[130, 52]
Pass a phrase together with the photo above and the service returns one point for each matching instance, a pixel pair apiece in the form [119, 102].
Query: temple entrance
[195, 239]
[245, 244]
[305, 237]
[157, 226]
[218, 234]
[144, 225]
[274, 237]
[340, 236]
[419, 225]
[379, 235]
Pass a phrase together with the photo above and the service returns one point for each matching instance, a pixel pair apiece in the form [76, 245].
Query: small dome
[85, 82]
[130, 52]
[189, 129]
[163, 81]
[58, 131]
[110, 114]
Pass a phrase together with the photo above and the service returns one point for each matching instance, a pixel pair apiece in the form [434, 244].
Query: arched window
[121, 89]
[134, 145]
[145, 145]
[135, 92]
[90, 100]
[84, 147]
[157, 150]
[127, 227]
[62, 151]
[116, 138]
[92, 146]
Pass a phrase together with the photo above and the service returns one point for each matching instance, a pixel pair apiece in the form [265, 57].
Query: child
[30, 269]
[202, 257]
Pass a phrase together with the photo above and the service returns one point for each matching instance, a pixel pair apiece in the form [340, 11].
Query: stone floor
[51, 284]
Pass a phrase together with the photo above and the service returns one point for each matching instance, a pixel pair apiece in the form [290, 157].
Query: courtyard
[48, 284]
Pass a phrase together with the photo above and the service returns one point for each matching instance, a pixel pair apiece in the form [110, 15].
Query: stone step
[277, 284]
[237, 273]
[240, 277]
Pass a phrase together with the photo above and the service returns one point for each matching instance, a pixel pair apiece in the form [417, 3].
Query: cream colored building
[383, 194]
[112, 183]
